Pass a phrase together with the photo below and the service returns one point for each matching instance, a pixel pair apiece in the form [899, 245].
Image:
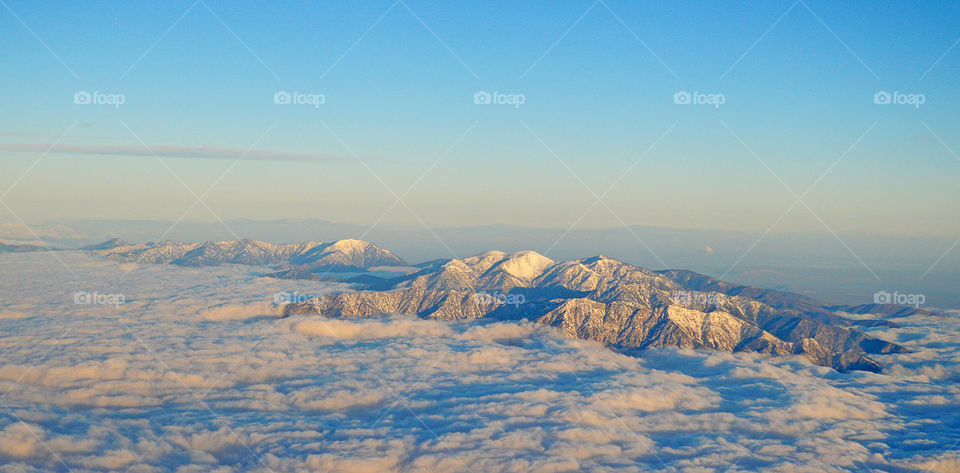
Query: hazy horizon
[811, 264]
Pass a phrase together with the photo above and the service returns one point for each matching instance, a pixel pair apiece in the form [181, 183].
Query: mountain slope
[619, 305]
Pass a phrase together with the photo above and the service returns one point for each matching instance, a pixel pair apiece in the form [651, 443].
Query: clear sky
[598, 83]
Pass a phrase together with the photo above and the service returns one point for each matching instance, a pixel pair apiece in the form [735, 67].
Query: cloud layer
[196, 373]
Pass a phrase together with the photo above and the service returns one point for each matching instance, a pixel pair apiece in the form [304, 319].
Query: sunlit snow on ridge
[196, 372]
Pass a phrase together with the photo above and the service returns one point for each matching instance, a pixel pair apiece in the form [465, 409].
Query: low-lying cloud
[240, 311]
[197, 373]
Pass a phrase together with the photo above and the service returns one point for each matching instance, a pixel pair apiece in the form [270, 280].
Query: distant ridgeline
[22, 248]
[339, 256]
[624, 307]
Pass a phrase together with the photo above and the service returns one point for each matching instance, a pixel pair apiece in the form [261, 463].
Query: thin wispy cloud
[166, 151]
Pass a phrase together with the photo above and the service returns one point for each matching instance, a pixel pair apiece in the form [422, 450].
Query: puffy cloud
[20, 441]
[372, 329]
[656, 398]
[240, 311]
[832, 403]
[945, 463]
[113, 460]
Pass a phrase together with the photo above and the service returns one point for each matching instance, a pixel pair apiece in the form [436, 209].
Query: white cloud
[372, 329]
[945, 463]
[240, 311]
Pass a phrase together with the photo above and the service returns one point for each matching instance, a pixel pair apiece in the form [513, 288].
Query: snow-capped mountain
[622, 306]
[348, 253]
[342, 255]
[625, 307]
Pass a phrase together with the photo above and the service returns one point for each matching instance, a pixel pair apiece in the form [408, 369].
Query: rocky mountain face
[342, 255]
[619, 305]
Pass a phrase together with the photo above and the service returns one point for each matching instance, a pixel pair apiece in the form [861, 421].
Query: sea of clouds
[197, 372]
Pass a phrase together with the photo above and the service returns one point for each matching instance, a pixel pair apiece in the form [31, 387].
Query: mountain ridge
[622, 306]
[340, 255]
[619, 305]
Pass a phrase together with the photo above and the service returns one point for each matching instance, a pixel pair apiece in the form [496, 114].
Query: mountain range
[339, 256]
[625, 307]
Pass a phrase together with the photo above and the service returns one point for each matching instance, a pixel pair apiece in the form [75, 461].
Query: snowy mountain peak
[350, 244]
[482, 262]
[524, 264]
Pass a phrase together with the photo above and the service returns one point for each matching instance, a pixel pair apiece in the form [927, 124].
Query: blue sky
[798, 81]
